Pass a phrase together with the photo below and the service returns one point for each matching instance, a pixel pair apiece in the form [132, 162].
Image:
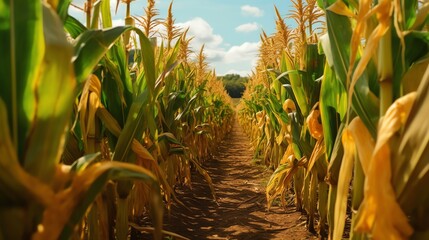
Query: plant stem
[385, 72]
[122, 219]
[88, 13]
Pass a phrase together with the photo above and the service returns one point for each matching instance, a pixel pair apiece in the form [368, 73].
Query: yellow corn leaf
[380, 213]
[287, 154]
[355, 138]
[340, 8]
[344, 179]
[413, 77]
[109, 121]
[260, 117]
[141, 151]
[62, 204]
[383, 11]
[145, 156]
[359, 30]
[280, 179]
[113, 126]
[206, 177]
[318, 151]
[88, 105]
[14, 179]
[281, 136]
[53, 3]
[364, 142]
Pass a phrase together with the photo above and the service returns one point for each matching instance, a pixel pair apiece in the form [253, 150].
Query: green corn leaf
[116, 96]
[133, 127]
[74, 27]
[333, 107]
[419, 41]
[63, 8]
[297, 85]
[118, 87]
[55, 81]
[364, 101]
[96, 15]
[22, 50]
[275, 107]
[169, 137]
[91, 46]
[148, 60]
[409, 11]
[84, 161]
[105, 14]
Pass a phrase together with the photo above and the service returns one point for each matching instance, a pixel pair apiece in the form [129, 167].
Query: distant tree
[234, 84]
[231, 77]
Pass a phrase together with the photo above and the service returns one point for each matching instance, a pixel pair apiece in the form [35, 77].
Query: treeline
[234, 84]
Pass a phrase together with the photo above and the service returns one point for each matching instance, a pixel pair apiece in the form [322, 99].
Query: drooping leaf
[73, 203]
[91, 46]
[74, 27]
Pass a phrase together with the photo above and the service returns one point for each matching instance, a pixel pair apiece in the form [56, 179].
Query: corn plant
[41, 197]
[161, 91]
[290, 115]
[376, 76]
[373, 79]
[111, 120]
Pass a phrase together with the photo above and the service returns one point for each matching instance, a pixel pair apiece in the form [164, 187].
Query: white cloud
[247, 51]
[248, 10]
[225, 57]
[247, 27]
[202, 32]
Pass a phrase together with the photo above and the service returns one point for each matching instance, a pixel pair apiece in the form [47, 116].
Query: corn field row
[90, 141]
[337, 108]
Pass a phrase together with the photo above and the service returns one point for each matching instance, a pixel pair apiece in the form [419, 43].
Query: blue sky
[229, 29]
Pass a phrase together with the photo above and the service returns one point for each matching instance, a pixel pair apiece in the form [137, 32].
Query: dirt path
[241, 209]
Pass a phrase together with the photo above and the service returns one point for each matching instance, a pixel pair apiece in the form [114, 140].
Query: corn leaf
[364, 101]
[148, 60]
[333, 107]
[51, 118]
[62, 9]
[407, 55]
[409, 165]
[297, 84]
[91, 46]
[22, 49]
[105, 14]
[83, 162]
[133, 127]
[74, 27]
[85, 187]
[17, 186]
[344, 178]
[380, 212]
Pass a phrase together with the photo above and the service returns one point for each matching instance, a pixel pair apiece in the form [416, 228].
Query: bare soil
[241, 208]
